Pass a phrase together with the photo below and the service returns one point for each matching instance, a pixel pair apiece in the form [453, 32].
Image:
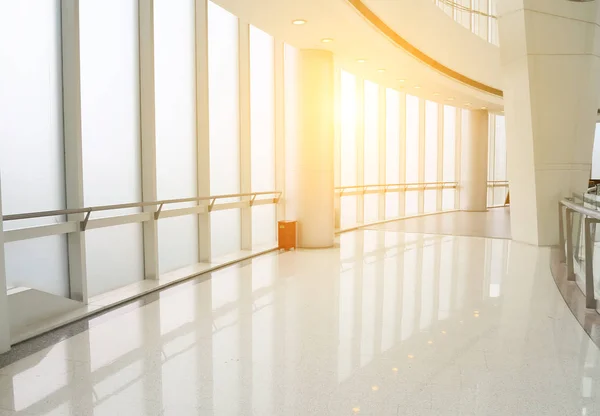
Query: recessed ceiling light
[468, 104]
[450, 98]
[375, 388]
[361, 61]
[400, 80]
[326, 40]
[381, 70]
[436, 94]
[298, 22]
[417, 87]
[484, 108]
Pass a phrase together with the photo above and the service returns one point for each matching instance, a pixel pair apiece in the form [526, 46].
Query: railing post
[570, 260]
[4, 318]
[590, 298]
[561, 233]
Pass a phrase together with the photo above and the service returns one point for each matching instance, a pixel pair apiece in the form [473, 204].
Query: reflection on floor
[388, 324]
[495, 223]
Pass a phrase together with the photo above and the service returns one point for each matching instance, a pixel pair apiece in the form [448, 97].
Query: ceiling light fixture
[381, 70]
[401, 80]
[298, 22]
[484, 108]
[468, 104]
[450, 98]
[436, 94]
[361, 61]
[417, 87]
[326, 40]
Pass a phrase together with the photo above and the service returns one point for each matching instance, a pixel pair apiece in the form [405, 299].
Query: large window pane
[449, 169]
[412, 152]
[262, 112]
[111, 136]
[176, 148]
[224, 125]
[431, 153]
[31, 139]
[392, 151]
[371, 149]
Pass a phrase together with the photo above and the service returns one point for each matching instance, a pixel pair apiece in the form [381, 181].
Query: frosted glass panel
[176, 148]
[225, 232]
[115, 257]
[262, 122]
[31, 139]
[264, 224]
[412, 152]
[111, 136]
[431, 153]
[224, 125]
[348, 211]
[392, 150]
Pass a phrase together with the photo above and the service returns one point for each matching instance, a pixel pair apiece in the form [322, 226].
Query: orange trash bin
[287, 234]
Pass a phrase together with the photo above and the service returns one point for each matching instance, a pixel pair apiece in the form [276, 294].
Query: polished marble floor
[494, 223]
[389, 323]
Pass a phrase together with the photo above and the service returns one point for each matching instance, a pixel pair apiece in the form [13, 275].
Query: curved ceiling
[355, 38]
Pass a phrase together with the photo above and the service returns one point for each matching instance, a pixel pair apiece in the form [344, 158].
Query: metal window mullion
[422, 122]
[279, 125]
[73, 145]
[202, 126]
[148, 133]
[382, 131]
[440, 157]
[245, 139]
[457, 155]
[402, 155]
[360, 147]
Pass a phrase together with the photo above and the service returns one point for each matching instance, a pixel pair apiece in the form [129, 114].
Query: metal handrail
[591, 218]
[88, 210]
[497, 184]
[397, 187]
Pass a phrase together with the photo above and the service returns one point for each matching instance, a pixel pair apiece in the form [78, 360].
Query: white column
[245, 140]
[474, 146]
[71, 81]
[4, 318]
[550, 53]
[148, 134]
[310, 176]
[202, 123]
